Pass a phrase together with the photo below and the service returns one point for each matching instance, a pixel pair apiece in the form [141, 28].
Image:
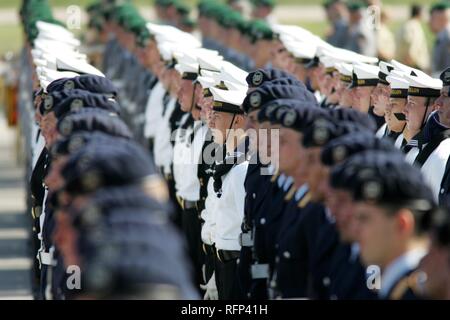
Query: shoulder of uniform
[408, 282]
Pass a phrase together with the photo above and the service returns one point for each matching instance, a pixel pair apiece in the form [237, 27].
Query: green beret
[263, 3]
[356, 5]
[440, 6]
[260, 30]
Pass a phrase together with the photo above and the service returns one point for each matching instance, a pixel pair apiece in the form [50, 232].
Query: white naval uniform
[38, 147]
[434, 167]
[223, 216]
[399, 141]
[162, 147]
[186, 158]
[381, 132]
[153, 110]
[412, 155]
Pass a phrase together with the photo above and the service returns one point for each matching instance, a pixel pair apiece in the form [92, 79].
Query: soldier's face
[376, 233]
[342, 207]
[292, 153]
[416, 112]
[345, 94]
[185, 95]
[222, 123]
[396, 105]
[54, 181]
[380, 99]
[436, 265]
[48, 128]
[317, 173]
[361, 98]
[265, 143]
[443, 106]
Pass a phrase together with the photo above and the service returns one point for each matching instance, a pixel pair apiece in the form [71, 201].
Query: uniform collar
[398, 268]
[354, 251]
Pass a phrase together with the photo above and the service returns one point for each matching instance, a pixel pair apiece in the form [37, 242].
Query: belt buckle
[245, 239]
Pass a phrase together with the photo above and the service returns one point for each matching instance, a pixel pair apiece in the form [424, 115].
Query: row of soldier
[303, 218]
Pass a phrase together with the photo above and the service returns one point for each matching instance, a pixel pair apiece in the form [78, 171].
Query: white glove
[211, 289]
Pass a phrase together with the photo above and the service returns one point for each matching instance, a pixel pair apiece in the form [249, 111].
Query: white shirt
[37, 150]
[412, 155]
[399, 141]
[380, 133]
[230, 208]
[186, 158]
[434, 167]
[153, 110]
[398, 268]
[162, 148]
[208, 215]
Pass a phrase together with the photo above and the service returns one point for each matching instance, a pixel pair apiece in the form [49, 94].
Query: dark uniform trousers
[192, 226]
[225, 266]
[265, 230]
[256, 187]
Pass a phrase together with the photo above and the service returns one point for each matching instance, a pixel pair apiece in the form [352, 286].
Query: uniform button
[442, 191]
[277, 259]
[326, 281]
[237, 261]
[254, 196]
[273, 284]
[262, 221]
[286, 254]
[249, 295]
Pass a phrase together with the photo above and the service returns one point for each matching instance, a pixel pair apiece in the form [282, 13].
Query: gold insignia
[91, 180]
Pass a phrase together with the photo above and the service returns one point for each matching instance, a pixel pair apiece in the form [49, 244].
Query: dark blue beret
[341, 148]
[79, 99]
[382, 178]
[89, 119]
[352, 115]
[298, 115]
[267, 109]
[323, 130]
[65, 101]
[264, 94]
[80, 139]
[284, 82]
[445, 77]
[258, 77]
[97, 166]
[87, 82]
[128, 252]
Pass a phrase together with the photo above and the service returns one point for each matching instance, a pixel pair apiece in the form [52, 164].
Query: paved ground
[14, 261]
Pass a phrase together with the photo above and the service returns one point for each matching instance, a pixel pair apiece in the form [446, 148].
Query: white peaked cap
[397, 82]
[366, 71]
[212, 63]
[232, 73]
[78, 66]
[345, 69]
[235, 97]
[423, 81]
